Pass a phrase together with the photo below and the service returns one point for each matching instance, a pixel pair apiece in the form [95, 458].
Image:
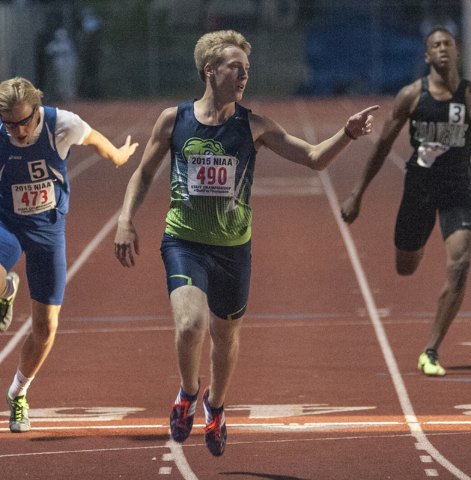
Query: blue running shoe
[181, 417]
[215, 429]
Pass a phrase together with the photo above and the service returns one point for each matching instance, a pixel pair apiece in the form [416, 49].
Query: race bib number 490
[31, 198]
[211, 175]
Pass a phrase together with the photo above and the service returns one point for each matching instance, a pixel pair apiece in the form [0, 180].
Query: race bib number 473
[211, 175]
[31, 198]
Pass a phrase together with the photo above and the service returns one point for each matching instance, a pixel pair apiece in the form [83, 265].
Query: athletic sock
[9, 289]
[191, 398]
[20, 385]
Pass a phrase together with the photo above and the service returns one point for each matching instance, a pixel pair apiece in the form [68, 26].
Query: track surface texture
[326, 386]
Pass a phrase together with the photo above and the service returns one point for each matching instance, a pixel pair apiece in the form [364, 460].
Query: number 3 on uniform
[456, 113]
[38, 170]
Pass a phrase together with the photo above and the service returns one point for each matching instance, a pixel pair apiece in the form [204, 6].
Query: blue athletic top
[211, 178]
[439, 130]
[33, 179]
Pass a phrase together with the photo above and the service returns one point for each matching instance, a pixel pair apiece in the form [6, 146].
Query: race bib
[31, 198]
[211, 175]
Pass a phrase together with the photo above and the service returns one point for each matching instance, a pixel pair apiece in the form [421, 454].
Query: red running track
[326, 386]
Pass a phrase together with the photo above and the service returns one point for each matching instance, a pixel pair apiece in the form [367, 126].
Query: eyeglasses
[22, 123]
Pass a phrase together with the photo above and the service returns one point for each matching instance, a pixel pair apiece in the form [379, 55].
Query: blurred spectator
[89, 55]
[64, 62]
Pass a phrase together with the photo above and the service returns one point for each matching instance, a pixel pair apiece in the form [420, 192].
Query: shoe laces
[182, 410]
[432, 355]
[214, 426]
[19, 405]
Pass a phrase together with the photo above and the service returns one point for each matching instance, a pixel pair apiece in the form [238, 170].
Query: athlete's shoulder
[169, 113]
[260, 121]
[70, 127]
[66, 119]
[407, 99]
[410, 92]
[167, 118]
[260, 124]
[163, 126]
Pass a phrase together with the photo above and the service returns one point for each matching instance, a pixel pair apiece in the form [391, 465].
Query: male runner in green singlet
[438, 178]
[206, 245]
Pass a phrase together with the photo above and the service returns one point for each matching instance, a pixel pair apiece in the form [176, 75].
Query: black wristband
[349, 135]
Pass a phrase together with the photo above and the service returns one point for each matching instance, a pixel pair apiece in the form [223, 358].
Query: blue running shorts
[46, 265]
[223, 273]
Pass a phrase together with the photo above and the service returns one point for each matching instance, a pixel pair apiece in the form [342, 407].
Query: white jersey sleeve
[70, 130]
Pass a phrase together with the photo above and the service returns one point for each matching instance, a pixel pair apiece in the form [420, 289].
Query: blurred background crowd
[141, 49]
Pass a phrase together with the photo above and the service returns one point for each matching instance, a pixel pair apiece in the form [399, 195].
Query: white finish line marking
[70, 414]
[276, 411]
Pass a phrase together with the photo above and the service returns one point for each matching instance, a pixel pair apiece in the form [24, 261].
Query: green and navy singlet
[211, 178]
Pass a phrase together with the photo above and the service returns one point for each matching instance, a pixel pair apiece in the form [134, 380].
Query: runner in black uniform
[438, 178]
[438, 172]
[206, 248]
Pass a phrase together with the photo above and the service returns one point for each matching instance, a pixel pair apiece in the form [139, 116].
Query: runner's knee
[408, 261]
[44, 331]
[225, 332]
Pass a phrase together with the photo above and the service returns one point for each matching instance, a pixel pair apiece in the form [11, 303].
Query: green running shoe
[428, 362]
[19, 421]
[6, 306]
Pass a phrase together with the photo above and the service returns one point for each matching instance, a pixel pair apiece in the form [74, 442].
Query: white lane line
[179, 457]
[8, 348]
[413, 423]
[168, 457]
[94, 450]
[245, 426]
[74, 172]
[81, 260]
[180, 460]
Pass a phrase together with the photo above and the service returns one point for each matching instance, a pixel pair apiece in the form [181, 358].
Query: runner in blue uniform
[206, 246]
[438, 179]
[34, 198]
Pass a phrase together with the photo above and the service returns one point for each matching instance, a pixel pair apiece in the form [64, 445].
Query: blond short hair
[210, 48]
[16, 91]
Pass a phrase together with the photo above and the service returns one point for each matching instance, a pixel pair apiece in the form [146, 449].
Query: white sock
[20, 385]
[9, 289]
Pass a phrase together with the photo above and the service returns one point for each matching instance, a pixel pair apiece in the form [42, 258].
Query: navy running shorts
[46, 265]
[222, 273]
[427, 192]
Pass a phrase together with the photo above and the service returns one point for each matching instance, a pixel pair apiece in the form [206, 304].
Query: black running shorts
[426, 192]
